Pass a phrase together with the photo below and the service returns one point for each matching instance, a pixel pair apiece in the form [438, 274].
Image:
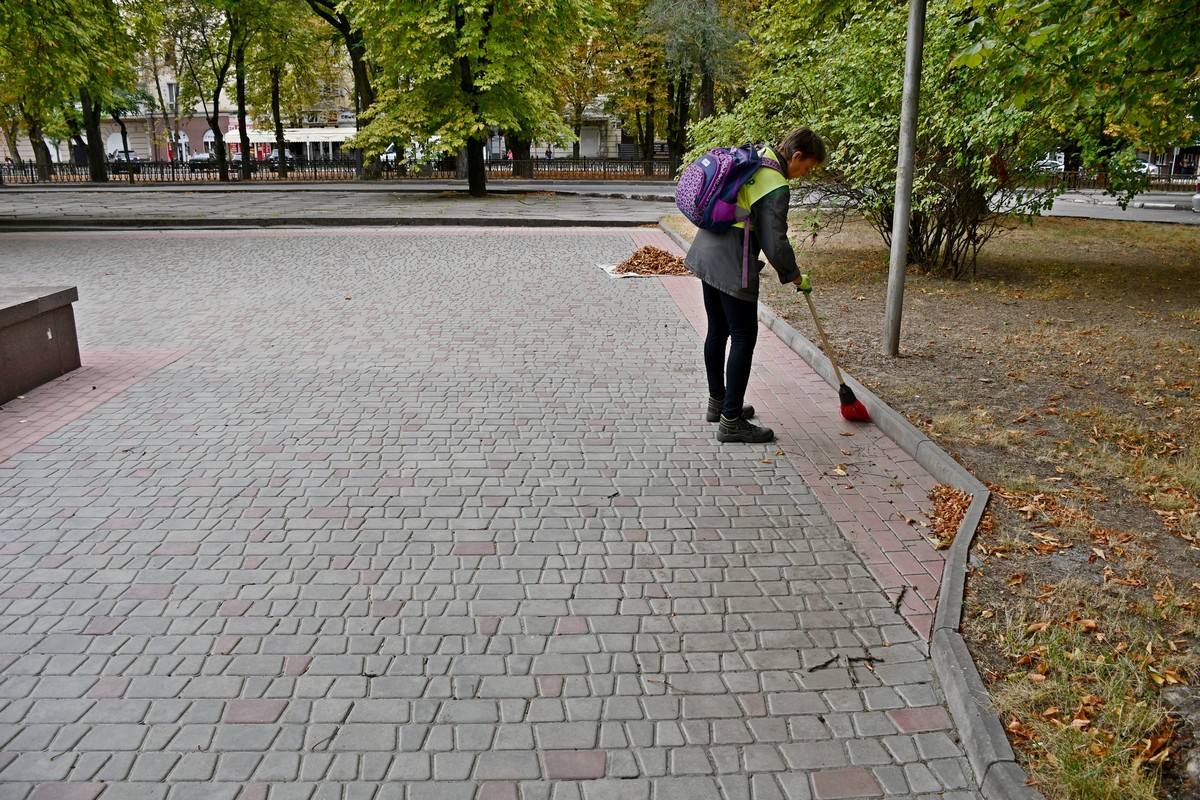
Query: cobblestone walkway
[421, 514]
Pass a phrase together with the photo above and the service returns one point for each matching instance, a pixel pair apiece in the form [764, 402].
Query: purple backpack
[708, 188]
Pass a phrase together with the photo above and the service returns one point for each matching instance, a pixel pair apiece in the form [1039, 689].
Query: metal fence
[343, 169]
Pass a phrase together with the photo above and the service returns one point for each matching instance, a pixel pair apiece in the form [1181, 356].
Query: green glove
[805, 285]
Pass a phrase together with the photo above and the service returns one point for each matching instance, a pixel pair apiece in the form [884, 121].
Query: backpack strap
[769, 163]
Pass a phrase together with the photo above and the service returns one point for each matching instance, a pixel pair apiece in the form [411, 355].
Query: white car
[1146, 168]
[1196, 199]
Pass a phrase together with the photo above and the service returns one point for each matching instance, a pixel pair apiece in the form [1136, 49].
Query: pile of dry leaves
[652, 261]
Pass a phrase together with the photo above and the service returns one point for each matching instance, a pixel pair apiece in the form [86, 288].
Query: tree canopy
[452, 70]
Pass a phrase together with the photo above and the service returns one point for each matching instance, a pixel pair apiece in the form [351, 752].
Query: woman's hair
[803, 141]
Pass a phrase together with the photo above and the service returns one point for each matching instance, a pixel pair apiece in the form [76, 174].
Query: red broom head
[852, 409]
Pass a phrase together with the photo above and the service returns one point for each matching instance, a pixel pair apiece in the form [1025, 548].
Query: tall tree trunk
[97, 171]
[41, 153]
[708, 93]
[360, 68]
[280, 142]
[679, 90]
[522, 164]
[117, 118]
[239, 57]
[577, 126]
[476, 170]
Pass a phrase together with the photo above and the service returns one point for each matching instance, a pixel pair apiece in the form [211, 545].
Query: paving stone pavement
[424, 513]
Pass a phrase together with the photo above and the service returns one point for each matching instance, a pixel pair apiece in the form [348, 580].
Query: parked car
[1196, 199]
[124, 161]
[1049, 166]
[202, 162]
[1146, 168]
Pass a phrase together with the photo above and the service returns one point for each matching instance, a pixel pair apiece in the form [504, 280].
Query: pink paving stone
[20, 591]
[255, 512]
[369, 577]
[353, 524]
[100, 548]
[177, 549]
[494, 502]
[267, 448]
[653, 590]
[647, 562]
[254, 791]
[614, 575]
[14, 548]
[109, 688]
[386, 608]
[474, 549]
[750, 489]
[394, 482]
[224, 645]
[67, 791]
[487, 626]
[52, 562]
[587, 511]
[253, 562]
[254, 711]
[296, 665]
[574, 765]
[571, 625]
[329, 512]
[755, 705]
[634, 536]
[148, 591]
[845, 783]
[921, 720]
[234, 608]
[258, 536]
[7, 661]
[497, 790]
[6, 759]
[100, 626]
[550, 685]
[340, 562]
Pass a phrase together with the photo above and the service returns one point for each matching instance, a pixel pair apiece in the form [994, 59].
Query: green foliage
[843, 74]
[455, 70]
[1129, 70]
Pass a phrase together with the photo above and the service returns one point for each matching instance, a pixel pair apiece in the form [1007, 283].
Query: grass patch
[1080, 701]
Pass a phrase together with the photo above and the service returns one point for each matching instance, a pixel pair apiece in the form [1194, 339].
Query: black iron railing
[342, 169]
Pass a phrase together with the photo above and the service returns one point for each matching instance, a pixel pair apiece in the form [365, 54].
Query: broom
[852, 409]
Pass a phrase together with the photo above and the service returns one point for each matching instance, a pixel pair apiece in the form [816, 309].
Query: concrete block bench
[37, 337]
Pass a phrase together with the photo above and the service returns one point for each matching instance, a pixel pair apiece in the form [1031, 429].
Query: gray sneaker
[740, 429]
[714, 410]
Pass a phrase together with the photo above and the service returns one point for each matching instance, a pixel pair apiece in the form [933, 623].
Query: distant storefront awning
[295, 135]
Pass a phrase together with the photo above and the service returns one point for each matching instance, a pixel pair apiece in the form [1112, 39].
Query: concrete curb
[192, 223]
[987, 748]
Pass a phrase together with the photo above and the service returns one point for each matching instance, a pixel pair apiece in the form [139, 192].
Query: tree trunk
[708, 93]
[577, 126]
[97, 170]
[280, 143]
[124, 144]
[679, 91]
[41, 153]
[239, 55]
[476, 170]
[522, 164]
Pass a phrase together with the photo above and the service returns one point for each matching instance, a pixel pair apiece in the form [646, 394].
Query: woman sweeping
[731, 290]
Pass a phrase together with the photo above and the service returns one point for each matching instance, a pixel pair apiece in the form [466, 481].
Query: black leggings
[734, 322]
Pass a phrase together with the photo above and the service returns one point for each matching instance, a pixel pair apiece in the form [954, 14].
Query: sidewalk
[379, 512]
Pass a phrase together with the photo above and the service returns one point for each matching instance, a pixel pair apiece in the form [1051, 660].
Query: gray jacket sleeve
[768, 222]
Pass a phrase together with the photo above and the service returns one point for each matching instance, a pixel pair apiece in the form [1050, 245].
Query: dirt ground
[1063, 374]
